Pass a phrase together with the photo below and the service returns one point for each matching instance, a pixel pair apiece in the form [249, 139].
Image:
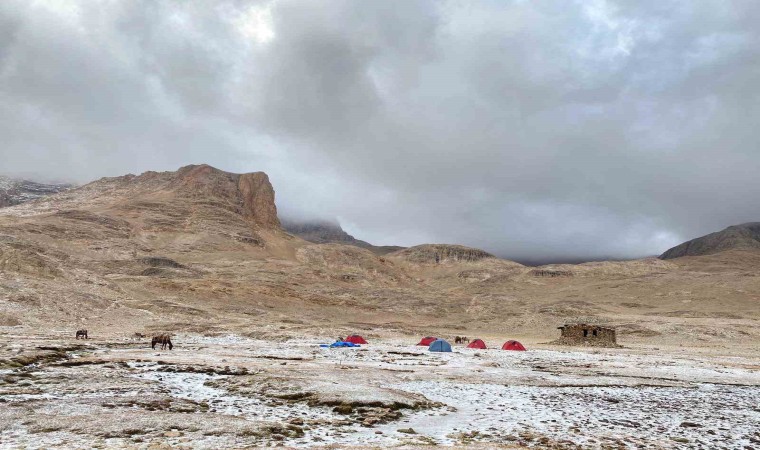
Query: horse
[163, 339]
[82, 333]
[461, 340]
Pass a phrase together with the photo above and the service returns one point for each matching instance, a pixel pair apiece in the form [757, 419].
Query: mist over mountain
[322, 231]
[615, 129]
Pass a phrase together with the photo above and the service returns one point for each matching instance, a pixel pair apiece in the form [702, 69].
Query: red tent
[426, 341]
[356, 339]
[477, 343]
[513, 345]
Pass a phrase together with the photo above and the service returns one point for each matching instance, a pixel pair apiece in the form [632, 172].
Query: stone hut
[586, 334]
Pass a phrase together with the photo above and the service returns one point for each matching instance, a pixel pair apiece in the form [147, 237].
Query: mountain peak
[745, 236]
[250, 194]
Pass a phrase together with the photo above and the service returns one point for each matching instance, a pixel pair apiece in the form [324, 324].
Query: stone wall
[587, 335]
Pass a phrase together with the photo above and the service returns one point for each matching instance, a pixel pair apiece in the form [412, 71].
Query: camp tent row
[434, 344]
[441, 345]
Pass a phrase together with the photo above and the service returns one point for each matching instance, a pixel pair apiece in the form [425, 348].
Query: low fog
[539, 131]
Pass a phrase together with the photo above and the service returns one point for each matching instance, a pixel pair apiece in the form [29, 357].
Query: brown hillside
[201, 250]
[738, 237]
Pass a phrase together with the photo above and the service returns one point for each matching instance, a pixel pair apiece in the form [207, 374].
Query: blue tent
[440, 345]
[340, 344]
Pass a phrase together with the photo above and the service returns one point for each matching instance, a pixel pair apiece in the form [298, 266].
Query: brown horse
[461, 340]
[163, 339]
[81, 333]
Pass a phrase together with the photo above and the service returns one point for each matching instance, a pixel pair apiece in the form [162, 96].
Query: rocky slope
[330, 232]
[201, 250]
[738, 237]
[15, 192]
[441, 254]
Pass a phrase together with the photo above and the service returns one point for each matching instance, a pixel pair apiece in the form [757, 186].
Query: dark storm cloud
[536, 130]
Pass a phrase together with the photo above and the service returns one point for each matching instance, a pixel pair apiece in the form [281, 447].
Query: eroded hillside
[202, 250]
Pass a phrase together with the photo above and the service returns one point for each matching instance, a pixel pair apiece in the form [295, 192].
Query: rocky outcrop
[738, 237]
[441, 253]
[258, 199]
[550, 273]
[251, 193]
[211, 208]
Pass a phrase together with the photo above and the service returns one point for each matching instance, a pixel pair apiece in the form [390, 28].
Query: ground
[230, 391]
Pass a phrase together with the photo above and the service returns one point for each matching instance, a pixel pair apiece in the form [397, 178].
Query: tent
[440, 345]
[513, 345]
[477, 343]
[339, 345]
[426, 341]
[356, 339]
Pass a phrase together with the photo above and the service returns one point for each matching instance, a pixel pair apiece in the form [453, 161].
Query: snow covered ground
[230, 391]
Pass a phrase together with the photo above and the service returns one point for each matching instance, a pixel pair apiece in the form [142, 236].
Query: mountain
[200, 250]
[330, 232]
[738, 237]
[14, 192]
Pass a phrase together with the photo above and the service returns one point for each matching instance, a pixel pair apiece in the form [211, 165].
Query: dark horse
[461, 340]
[163, 339]
[82, 334]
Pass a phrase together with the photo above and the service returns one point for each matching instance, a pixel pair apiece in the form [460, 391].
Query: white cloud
[536, 130]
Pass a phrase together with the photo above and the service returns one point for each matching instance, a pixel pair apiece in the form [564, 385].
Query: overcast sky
[537, 130]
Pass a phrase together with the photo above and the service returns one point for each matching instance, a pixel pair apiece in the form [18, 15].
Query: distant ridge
[738, 237]
[15, 192]
[320, 231]
[441, 253]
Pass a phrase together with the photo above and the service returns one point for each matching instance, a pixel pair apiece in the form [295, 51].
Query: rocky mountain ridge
[745, 236]
[200, 250]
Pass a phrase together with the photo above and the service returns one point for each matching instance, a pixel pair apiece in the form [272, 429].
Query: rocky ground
[230, 391]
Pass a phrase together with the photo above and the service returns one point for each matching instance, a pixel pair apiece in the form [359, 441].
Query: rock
[343, 408]
[173, 434]
[407, 430]
[370, 421]
[682, 440]
[690, 425]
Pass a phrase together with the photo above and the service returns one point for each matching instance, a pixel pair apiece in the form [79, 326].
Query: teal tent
[440, 345]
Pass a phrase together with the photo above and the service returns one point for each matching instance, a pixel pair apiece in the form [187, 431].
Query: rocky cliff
[249, 194]
[738, 237]
[441, 253]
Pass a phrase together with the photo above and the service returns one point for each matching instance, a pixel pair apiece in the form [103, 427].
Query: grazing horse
[82, 334]
[461, 340]
[163, 339]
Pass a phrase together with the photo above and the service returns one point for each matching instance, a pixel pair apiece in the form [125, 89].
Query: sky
[542, 130]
